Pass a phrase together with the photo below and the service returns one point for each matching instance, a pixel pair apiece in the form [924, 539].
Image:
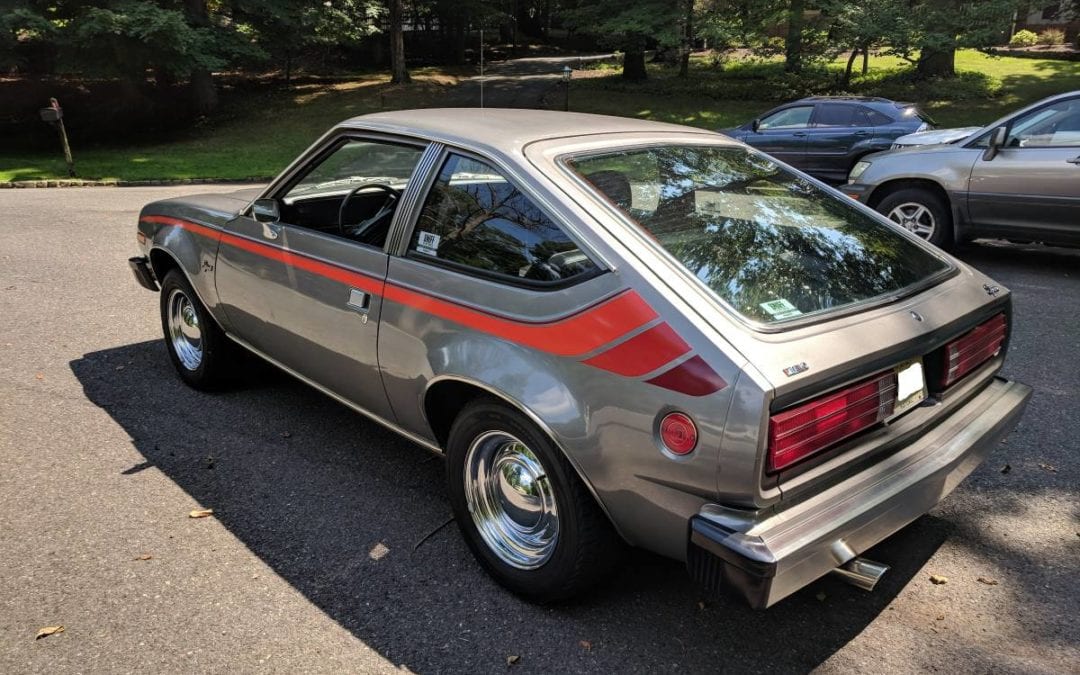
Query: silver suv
[1018, 178]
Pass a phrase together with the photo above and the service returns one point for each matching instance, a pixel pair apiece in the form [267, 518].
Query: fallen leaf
[940, 617]
[987, 581]
[821, 596]
[701, 605]
[586, 645]
[1048, 467]
[286, 434]
[40, 376]
[145, 556]
[512, 659]
[47, 631]
[201, 513]
[120, 367]
[1006, 469]
[938, 580]
[378, 552]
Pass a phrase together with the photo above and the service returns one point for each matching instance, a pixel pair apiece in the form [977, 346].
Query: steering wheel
[385, 208]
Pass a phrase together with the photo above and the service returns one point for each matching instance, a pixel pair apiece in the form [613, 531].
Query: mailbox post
[54, 114]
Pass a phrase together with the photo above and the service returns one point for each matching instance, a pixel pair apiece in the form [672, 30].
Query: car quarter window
[838, 115]
[1055, 125]
[353, 190]
[788, 118]
[474, 218]
[878, 119]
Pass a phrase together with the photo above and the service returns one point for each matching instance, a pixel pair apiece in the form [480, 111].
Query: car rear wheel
[920, 211]
[525, 514]
[198, 348]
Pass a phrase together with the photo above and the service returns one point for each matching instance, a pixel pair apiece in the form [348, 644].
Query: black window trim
[408, 228]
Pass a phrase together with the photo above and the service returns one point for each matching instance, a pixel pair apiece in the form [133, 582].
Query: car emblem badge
[915, 315]
[796, 369]
[992, 291]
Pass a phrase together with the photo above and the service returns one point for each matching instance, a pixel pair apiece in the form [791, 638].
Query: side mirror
[997, 142]
[266, 211]
[755, 125]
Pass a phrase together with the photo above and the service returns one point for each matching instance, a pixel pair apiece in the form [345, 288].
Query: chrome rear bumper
[766, 559]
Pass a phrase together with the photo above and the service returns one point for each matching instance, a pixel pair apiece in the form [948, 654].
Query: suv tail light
[972, 349]
[812, 427]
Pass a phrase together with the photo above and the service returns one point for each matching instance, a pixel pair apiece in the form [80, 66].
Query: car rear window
[767, 241]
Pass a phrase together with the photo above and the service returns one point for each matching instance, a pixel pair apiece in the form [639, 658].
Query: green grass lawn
[1016, 82]
[256, 136]
[253, 137]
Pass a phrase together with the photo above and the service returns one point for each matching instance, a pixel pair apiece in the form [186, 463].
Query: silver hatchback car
[615, 330]
[1018, 178]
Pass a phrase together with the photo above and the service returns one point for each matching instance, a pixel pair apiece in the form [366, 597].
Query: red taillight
[678, 433]
[800, 432]
[971, 350]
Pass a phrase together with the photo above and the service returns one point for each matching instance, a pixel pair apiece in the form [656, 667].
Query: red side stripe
[642, 353]
[693, 377]
[578, 334]
[571, 336]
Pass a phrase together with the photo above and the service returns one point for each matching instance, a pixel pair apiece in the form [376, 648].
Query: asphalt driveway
[326, 552]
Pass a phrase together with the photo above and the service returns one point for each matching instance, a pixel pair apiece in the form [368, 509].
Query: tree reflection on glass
[768, 242]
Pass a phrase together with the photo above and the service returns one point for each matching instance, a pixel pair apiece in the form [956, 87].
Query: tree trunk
[793, 44]
[399, 74]
[936, 63]
[850, 65]
[687, 43]
[204, 98]
[865, 58]
[633, 67]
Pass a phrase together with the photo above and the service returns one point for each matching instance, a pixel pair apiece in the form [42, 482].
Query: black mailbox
[51, 114]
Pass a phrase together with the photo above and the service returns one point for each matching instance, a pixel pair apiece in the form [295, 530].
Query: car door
[306, 291]
[1031, 187]
[835, 129]
[782, 134]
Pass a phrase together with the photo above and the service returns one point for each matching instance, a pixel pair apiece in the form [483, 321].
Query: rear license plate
[910, 386]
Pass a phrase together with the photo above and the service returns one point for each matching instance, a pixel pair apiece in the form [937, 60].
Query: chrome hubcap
[511, 500]
[184, 332]
[914, 217]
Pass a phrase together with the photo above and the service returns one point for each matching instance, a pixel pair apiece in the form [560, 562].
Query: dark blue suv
[825, 135]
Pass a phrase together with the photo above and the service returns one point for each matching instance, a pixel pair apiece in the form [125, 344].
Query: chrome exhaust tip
[861, 573]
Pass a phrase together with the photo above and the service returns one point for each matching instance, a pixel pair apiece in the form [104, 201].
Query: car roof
[870, 101]
[506, 130]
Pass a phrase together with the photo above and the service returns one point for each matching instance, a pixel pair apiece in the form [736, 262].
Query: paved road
[517, 83]
[103, 454]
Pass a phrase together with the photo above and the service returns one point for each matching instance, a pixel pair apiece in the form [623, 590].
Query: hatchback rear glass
[767, 241]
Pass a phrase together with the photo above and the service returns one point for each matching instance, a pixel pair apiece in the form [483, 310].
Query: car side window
[788, 118]
[837, 115]
[475, 219]
[353, 191]
[879, 119]
[1055, 125]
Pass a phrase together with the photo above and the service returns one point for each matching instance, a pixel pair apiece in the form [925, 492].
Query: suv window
[475, 218]
[1056, 125]
[837, 115]
[789, 118]
[878, 119]
[766, 241]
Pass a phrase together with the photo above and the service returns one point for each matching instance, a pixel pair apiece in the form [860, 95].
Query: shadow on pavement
[311, 487]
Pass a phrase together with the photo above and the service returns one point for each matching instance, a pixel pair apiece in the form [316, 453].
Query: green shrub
[900, 84]
[1024, 38]
[1051, 37]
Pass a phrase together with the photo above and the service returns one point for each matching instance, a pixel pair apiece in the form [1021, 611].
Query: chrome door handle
[1074, 160]
[271, 230]
[359, 301]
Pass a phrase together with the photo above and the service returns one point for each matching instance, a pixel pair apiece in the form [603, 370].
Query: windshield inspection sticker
[780, 309]
[428, 243]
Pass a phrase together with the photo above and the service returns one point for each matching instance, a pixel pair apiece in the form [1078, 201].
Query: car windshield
[767, 241]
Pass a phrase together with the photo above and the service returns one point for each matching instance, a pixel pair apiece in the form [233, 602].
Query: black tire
[896, 204]
[217, 355]
[586, 546]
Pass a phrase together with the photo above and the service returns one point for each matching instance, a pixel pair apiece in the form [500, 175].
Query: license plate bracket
[910, 385]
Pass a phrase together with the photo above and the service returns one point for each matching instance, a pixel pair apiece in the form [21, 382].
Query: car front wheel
[920, 211]
[524, 512]
[200, 352]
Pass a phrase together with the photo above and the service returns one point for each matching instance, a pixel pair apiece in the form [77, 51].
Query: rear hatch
[847, 317]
